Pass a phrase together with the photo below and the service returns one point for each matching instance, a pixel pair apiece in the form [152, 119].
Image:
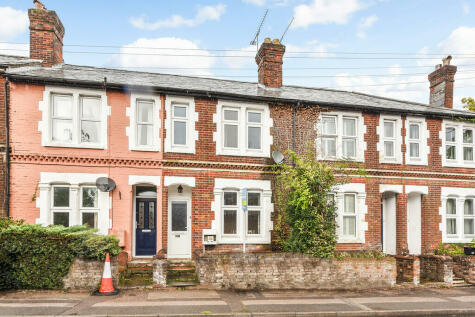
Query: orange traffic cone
[107, 288]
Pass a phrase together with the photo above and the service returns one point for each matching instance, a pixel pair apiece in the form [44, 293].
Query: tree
[469, 103]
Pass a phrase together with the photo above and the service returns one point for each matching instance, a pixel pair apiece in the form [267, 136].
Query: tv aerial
[255, 40]
[286, 29]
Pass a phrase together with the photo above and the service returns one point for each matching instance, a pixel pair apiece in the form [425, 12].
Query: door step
[139, 273]
[181, 274]
[460, 282]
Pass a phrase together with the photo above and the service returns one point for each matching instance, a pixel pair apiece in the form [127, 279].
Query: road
[399, 301]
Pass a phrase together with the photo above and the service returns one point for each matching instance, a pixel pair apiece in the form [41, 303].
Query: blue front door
[146, 229]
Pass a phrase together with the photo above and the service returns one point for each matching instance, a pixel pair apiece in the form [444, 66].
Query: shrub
[450, 249]
[36, 257]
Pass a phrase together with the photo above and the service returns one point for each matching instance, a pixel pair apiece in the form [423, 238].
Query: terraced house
[184, 152]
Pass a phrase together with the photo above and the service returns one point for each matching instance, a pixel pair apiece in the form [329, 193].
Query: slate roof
[11, 60]
[73, 74]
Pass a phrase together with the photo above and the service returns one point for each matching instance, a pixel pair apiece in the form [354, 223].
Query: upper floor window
[180, 122]
[75, 118]
[416, 141]
[145, 123]
[458, 144]
[340, 136]
[468, 144]
[243, 129]
[451, 143]
[390, 139]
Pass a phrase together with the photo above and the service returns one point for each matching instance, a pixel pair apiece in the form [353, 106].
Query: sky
[381, 47]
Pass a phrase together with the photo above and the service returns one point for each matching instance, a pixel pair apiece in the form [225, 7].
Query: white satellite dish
[105, 184]
[277, 157]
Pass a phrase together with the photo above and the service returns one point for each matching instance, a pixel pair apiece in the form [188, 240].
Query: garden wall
[436, 268]
[408, 269]
[294, 271]
[464, 267]
[87, 274]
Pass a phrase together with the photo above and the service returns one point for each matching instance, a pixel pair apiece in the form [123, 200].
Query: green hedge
[36, 257]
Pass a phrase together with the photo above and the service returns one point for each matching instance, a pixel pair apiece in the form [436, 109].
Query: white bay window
[458, 215]
[70, 199]
[234, 224]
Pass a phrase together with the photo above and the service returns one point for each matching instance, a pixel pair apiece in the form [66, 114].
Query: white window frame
[243, 108]
[468, 145]
[131, 130]
[460, 195]
[459, 145]
[249, 124]
[233, 208]
[254, 208]
[469, 217]
[46, 107]
[397, 139]
[361, 209]
[75, 181]
[83, 209]
[349, 214]
[61, 209]
[191, 119]
[235, 123]
[325, 136]
[424, 149]
[266, 208]
[360, 132]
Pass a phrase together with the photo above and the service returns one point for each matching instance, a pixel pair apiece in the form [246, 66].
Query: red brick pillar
[401, 224]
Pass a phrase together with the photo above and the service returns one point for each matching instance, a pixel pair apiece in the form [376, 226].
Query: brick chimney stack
[46, 35]
[442, 84]
[269, 62]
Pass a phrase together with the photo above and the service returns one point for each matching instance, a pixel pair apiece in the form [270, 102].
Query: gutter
[7, 148]
[228, 96]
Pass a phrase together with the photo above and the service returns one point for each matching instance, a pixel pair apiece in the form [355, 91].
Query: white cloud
[365, 24]
[15, 49]
[206, 13]
[237, 63]
[162, 63]
[12, 23]
[255, 2]
[325, 12]
[466, 8]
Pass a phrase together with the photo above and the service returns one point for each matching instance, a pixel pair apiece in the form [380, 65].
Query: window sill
[145, 149]
[457, 164]
[349, 241]
[181, 149]
[340, 159]
[239, 153]
[457, 240]
[77, 146]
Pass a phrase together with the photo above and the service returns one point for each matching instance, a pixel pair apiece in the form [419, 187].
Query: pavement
[398, 301]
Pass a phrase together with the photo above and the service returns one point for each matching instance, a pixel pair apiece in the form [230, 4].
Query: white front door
[179, 229]
[414, 223]
[389, 223]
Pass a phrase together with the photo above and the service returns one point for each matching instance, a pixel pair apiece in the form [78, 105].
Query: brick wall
[436, 268]
[294, 271]
[87, 274]
[3, 167]
[464, 267]
[408, 269]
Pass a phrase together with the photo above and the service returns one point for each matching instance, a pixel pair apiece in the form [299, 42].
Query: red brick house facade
[184, 152]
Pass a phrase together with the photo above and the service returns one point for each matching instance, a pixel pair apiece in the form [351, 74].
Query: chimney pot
[442, 84]
[269, 60]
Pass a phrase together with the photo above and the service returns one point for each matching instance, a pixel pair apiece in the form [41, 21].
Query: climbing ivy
[305, 222]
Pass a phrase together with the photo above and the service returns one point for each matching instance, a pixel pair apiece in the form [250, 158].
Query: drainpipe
[7, 149]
